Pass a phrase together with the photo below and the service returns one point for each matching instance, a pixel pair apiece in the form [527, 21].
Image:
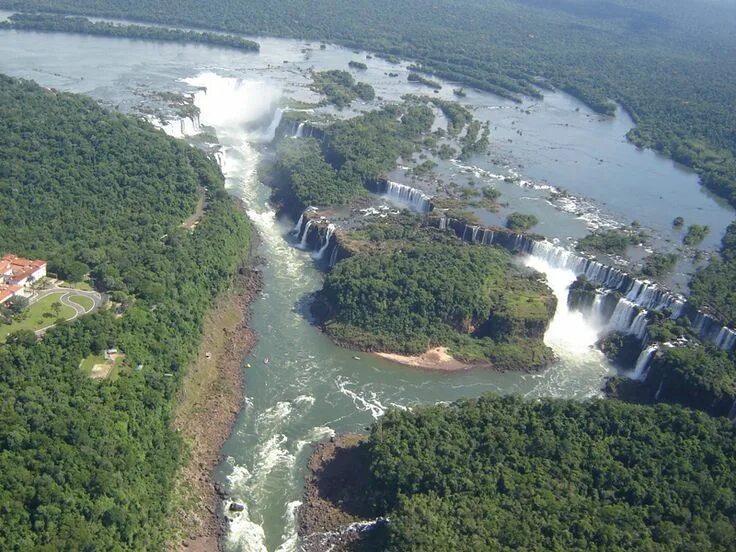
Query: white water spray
[406, 195]
[569, 335]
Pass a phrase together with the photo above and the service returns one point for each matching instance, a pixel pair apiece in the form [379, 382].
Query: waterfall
[270, 133]
[333, 256]
[299, 130]
[628, 314]
[643, 362]
[190, 126]
[328, 237]
[569, 334]
[303, 242]
[414, 198]
[659, 390]
[298, 226]
[726, 339]
[639, 325]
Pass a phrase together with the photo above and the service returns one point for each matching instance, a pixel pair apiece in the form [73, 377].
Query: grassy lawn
[34, 318]
[85, 302]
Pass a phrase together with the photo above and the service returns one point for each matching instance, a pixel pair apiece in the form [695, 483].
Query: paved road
[97, 299]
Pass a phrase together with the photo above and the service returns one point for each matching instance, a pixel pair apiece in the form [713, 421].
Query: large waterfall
[569, 335]
[631, 297]
[416, 199]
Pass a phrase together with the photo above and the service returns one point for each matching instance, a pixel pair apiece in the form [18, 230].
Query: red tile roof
[18, 268]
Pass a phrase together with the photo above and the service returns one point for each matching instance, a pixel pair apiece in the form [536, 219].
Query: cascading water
[328, 236]
[298, 226]
[299, 131]
[333, 256]
[628, 315]
[406, 195]
[569, 335]
[303, 244]
[643, 362]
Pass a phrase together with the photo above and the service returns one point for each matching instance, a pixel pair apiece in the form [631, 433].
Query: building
[16, 273]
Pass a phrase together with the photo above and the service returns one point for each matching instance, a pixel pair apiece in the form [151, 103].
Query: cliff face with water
[326, 241]
[607, 295]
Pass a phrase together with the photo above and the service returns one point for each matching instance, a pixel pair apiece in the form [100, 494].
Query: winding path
[97, 301]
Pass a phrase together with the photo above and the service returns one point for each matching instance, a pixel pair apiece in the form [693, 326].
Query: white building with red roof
[16, 273]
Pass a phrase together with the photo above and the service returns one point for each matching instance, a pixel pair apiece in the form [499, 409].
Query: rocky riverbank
[209, 402]
[336, 512]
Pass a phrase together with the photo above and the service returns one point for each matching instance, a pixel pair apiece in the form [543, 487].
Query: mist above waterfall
[238, 104]
[569, 335]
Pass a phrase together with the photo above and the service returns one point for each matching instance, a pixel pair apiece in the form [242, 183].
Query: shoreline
[336, 512]
[206, 409]
[435, 359]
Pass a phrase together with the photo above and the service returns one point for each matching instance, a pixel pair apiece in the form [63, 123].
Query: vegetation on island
[695, 234]
[512, 474]
[612, 242]
[416, 77]
[351, 154]
[357, 65]
[416, 293]
[521, 222]
[340, 88]
[658, 265]
[89, 464]
[81, 25]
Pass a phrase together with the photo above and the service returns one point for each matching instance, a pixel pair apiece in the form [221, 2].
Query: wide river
[300, 387]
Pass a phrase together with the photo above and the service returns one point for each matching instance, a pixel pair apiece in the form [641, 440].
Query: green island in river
[134, 461]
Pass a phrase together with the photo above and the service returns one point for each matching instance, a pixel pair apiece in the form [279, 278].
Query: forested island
[89, 464]
[81, 25]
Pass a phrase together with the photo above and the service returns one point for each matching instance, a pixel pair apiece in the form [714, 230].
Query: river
[300, 387]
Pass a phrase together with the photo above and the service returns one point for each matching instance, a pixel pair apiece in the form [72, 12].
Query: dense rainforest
[511, 474]
[408, 288]
[334, 169]
[54, 23]
[88, 464]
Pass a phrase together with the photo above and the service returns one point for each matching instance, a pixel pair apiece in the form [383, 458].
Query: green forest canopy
[87, 465]
[469, 298]
[513, 474]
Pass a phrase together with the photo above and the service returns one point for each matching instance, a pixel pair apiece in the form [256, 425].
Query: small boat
[356, 358]
[265, 360]
[247, 365]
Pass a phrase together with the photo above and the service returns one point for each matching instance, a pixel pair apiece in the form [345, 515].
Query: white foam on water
[368, 403]
[303, 400]
[314, 435]
[569, 335]
[289, 536]
[244, 535]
